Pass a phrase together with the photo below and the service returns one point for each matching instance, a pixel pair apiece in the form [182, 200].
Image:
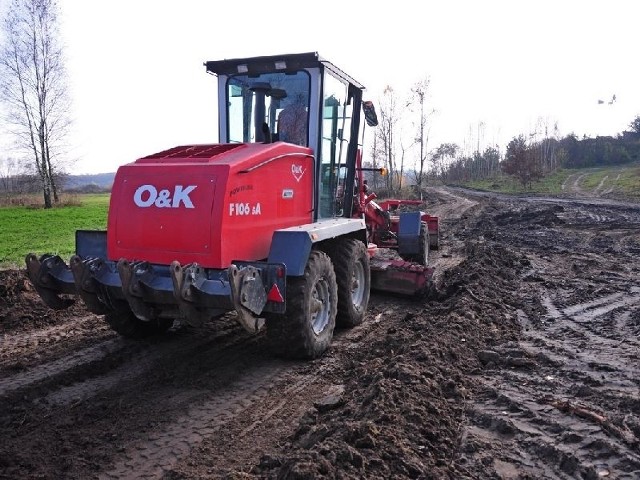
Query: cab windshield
[269, 107]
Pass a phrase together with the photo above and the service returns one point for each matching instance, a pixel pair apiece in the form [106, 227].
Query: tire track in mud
[257, 396]
[13, 344]
[598, 189]
[252, 399]
[162, 450]
[454, 207]
[134, 367]
[124, 361]
[11, 341]
[595, 308]
[52, 369]
[563, 402]
[541, 402]
[613, 185]
[136, 361]
[575, 186]
[450, 209]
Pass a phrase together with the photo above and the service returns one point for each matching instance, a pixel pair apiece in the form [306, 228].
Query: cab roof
[274, 63]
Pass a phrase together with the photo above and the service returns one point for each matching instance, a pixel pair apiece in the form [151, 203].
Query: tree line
[401, 145]
[529, 162]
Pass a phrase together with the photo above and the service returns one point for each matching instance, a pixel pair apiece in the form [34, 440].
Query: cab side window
[336, 128]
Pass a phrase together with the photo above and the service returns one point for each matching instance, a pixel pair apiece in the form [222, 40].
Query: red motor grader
[273, 222]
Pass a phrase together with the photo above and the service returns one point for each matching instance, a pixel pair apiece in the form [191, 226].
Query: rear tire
[128, 325]
[423, 257]
[434, 241]
[306, 329]
[351, 264]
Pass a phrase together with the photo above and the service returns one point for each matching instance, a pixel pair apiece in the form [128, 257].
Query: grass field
[26, 229]
[615, 181]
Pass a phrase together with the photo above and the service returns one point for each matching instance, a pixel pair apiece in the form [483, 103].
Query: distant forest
[400, 146]
[12, 182]
[529, 160]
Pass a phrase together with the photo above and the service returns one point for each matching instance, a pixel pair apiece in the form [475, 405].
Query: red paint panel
[209, 210]
[163, 214]
[202, 153]
[276, 193]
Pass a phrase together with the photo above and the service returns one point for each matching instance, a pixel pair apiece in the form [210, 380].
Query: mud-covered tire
[353, 276]
[306, 329]
[128, 325]
[423, 257]
[434, 240]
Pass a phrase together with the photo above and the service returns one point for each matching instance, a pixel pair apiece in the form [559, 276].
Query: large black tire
[422, 257]
[306, 329]
[128, 325]
[351, 264]
[434, 240]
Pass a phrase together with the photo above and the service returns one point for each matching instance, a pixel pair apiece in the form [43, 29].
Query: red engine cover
[209, 204]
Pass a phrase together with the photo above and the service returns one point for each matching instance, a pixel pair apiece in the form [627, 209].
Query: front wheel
[306, 329]
[351, 264]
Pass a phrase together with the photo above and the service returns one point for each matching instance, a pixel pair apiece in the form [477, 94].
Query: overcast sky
[138, 84]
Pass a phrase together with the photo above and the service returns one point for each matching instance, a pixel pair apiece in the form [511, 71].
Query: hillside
[615, 182]
[79, 182]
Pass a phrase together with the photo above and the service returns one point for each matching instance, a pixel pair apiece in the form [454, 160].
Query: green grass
[628, 182]
[551, 184]
[593, 179]
[623, 181]
[25, 229]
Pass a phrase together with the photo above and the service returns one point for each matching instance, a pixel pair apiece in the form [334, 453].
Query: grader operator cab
[273, 222]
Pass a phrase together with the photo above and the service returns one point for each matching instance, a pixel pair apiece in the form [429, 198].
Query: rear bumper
[154, 291]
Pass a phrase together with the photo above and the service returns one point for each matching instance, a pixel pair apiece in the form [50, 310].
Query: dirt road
[523, 362]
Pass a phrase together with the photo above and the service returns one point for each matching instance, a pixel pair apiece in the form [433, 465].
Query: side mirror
[370, 115]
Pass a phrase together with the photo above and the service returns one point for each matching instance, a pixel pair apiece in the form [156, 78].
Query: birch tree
[418, 104]
[33, 88]
[386, 133]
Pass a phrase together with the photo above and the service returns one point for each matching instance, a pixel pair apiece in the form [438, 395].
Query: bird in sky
[611, 102]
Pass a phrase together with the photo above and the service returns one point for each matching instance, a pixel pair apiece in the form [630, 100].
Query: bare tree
[419, 94]
[376, 154]
[386, 134]
[33, 87]
[546, 140]
[400, 170]
[443, 156]
[475, 140]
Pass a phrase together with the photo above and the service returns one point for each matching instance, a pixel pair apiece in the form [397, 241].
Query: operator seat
[292, 124]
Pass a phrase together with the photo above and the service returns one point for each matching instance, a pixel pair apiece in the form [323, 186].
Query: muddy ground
[523, 362]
